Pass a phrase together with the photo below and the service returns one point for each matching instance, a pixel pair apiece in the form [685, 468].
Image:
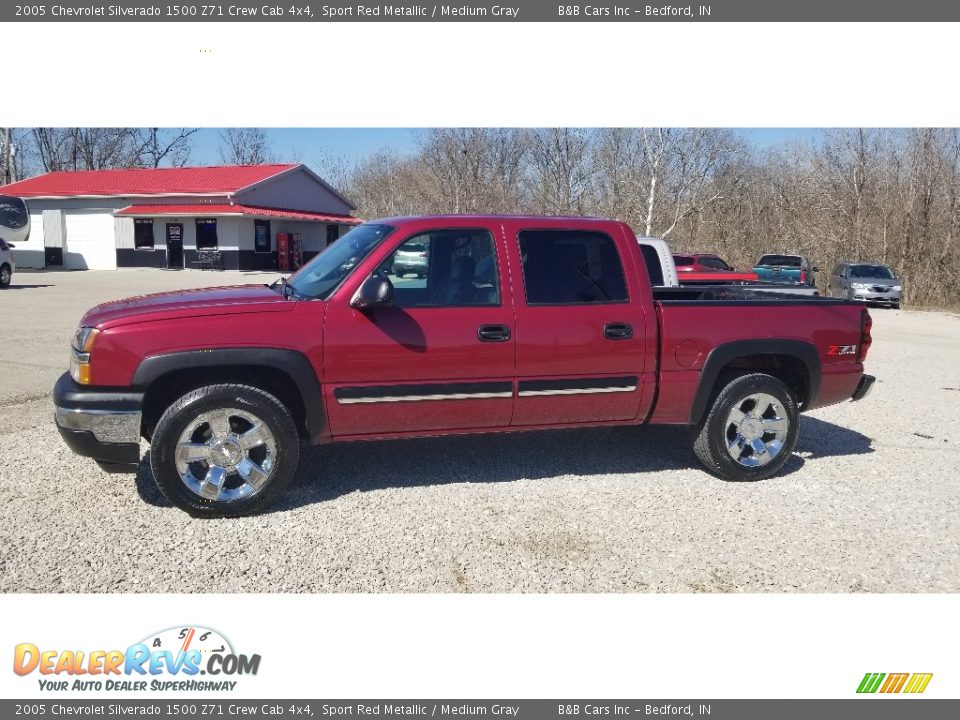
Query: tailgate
[775, 274]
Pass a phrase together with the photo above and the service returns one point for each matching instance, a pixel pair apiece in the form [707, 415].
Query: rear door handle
[618, 331]
[493, 333]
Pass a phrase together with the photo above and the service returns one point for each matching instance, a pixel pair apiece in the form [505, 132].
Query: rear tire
[750, 429]
[5, 276]
[224, 451]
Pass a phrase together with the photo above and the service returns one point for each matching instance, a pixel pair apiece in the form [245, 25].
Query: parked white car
[412, 259]
[7, 264]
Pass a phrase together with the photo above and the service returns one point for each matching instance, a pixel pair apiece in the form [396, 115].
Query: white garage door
[91, 243]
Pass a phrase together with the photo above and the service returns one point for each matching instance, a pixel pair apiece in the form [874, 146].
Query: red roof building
[240, 217]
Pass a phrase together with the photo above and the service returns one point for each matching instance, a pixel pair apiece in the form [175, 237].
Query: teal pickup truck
[785, 269]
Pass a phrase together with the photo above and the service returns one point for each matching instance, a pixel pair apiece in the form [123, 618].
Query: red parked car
[519, 323]
[701, 262]
[704, 268]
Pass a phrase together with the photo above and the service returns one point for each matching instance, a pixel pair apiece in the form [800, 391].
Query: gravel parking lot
[869, 503]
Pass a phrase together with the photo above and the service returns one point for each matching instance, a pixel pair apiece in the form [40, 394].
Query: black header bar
[507, 11]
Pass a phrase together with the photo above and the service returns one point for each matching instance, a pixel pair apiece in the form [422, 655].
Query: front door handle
[618, 331]
[493, 333]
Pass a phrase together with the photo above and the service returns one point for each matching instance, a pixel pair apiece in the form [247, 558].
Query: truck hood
[228, 300]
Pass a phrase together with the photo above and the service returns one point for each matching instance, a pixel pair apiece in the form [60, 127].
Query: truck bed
[695, 321]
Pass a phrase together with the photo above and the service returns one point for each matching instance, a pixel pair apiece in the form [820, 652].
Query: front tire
[224, 451]
[750, 430]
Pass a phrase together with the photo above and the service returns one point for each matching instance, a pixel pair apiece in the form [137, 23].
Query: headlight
[896, 288]
[84, 338]
[859, 286]
[83, 342]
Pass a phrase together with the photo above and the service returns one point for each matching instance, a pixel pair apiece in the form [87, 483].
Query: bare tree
[561, 171]
[685, 171]
[8, 172]
[386, 184]
[473, 168]
[103, 148]
[245, 146]
[165, 146]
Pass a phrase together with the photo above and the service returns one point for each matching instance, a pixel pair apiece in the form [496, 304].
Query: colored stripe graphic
[918, 683]
[895, 683]
[870, 682]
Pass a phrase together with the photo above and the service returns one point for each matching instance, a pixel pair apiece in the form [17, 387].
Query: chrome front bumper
[107, 426]
[878, 297]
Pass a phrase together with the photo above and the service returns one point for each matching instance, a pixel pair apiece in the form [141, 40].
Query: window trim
[523, 274]
[496, 262]
[196, 239]
[153, 234]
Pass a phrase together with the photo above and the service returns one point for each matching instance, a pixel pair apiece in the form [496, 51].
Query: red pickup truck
[517, 323]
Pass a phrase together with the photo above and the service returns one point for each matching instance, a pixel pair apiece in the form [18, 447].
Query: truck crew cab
[518, 323]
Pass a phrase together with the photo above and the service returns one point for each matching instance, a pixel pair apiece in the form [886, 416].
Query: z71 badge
[842, 350]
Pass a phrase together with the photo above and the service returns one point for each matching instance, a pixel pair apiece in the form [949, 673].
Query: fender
[723, 354]
[292, 362]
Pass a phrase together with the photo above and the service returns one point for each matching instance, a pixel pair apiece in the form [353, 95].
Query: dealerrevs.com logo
[172, 659]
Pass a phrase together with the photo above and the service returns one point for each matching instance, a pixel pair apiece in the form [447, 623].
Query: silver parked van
[868, 282]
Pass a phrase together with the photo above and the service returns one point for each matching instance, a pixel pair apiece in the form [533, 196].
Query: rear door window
[715, 263]
[571, 267]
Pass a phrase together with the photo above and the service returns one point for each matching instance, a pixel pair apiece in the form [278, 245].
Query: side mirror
[376, 291]
[11, 246]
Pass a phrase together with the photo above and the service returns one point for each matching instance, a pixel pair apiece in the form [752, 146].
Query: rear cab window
[654, 266]
[715, 263]
[782, 260]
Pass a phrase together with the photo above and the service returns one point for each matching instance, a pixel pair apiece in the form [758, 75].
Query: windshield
[321, 276]
[881, 272]
[782, 260]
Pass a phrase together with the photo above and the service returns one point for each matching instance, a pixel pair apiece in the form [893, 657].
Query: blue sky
[310, 145]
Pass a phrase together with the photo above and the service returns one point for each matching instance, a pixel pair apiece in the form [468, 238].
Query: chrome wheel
[756, 430]
[226, 454]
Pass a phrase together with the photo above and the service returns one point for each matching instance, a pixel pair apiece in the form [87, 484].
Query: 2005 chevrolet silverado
[518, 323]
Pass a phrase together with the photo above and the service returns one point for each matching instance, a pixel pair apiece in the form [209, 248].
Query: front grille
[880, 288]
